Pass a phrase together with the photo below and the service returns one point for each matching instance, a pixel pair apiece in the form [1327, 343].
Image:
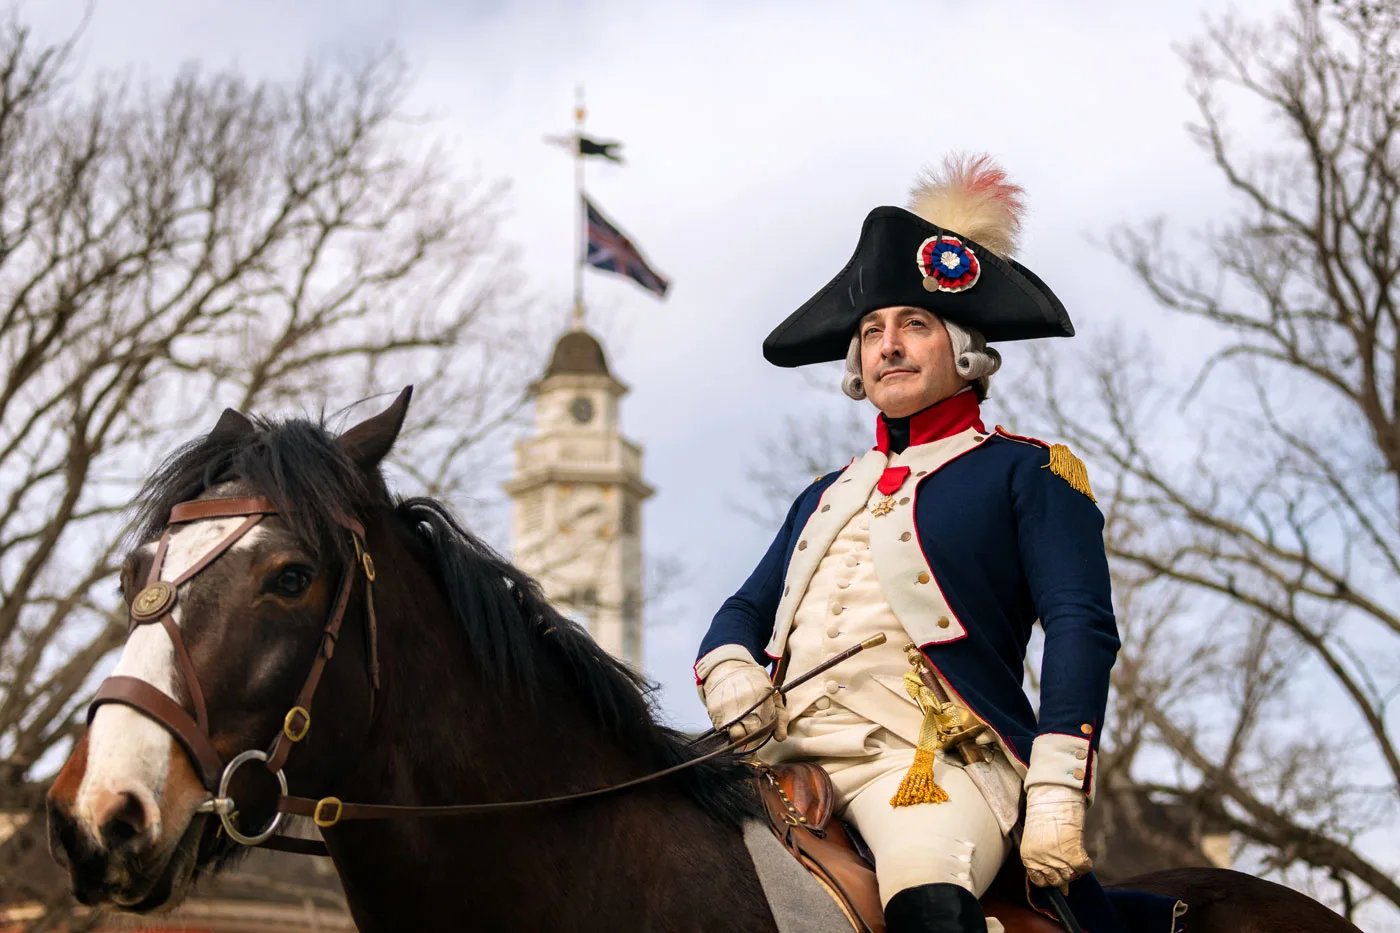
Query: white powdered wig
[971, 196]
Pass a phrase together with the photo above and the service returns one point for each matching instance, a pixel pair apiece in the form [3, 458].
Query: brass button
[923, 578]
[979, 437]
[1081, 753]
[943, 622]
[827, 507]
[905, 537]
[1079, 774]
[904, 501]
[817, 479]
[802, 545]
[1087, 729]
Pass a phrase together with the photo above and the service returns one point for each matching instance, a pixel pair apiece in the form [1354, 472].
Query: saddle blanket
[798, 901]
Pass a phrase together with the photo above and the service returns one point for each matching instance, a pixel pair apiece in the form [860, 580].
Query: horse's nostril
[123, 819]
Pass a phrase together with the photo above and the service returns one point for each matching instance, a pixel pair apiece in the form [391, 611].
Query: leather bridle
[155, 603]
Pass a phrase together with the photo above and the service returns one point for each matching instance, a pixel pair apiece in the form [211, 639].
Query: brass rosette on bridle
[154, 601]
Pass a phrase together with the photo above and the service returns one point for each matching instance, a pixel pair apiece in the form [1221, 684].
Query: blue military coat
[1008, 541]
[999, 540]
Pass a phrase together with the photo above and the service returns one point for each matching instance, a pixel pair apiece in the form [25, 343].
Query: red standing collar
[953, 415]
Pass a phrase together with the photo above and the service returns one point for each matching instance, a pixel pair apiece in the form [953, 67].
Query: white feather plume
[971, 196]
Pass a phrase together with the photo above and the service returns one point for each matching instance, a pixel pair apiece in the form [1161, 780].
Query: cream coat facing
[906, 579]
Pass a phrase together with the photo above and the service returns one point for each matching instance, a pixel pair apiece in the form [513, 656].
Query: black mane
[509, 624]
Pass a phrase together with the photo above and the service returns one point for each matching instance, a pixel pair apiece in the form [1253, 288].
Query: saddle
[799, 801]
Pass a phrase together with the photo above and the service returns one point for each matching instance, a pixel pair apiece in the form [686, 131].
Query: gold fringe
[918, 785]
[1068, 467]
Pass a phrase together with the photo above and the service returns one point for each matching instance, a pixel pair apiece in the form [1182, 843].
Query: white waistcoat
[907, 584]
[854, 573]
[843, 606]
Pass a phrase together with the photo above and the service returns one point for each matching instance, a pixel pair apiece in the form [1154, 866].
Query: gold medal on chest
[889, 484]
[884, 507]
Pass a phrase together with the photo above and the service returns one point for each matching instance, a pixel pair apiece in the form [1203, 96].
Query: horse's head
[250, 552]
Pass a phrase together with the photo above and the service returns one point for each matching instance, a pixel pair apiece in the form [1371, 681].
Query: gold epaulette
[1064, 464]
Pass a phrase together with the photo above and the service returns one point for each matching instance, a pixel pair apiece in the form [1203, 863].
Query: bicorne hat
[949, 254]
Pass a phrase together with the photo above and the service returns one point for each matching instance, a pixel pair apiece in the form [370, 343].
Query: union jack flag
[610, 250]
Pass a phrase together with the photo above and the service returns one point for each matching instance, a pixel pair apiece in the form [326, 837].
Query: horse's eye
[292, 581]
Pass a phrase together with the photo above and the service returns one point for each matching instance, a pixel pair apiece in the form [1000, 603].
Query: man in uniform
[946, 534]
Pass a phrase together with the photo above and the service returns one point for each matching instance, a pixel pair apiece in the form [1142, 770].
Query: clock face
[582, 409]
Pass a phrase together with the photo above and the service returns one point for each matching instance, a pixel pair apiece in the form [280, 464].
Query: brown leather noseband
[156, 602]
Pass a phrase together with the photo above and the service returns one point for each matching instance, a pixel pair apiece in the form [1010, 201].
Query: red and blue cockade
[947, 265]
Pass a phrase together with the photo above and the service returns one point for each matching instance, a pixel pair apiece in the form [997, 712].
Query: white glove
[1052, 844]
[732, 686]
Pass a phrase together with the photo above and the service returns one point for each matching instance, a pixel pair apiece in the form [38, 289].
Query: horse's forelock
[296, 463]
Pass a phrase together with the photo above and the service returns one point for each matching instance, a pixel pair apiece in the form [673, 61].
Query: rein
[156, 602]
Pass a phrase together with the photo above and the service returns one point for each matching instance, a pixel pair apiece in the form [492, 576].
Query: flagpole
[579, 221]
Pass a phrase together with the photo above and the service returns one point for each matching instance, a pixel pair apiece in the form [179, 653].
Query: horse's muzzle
[117, 859]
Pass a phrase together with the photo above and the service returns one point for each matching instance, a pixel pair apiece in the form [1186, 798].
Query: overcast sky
[757, 136]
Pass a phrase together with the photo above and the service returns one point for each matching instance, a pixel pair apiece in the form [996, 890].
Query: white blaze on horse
[267, 643]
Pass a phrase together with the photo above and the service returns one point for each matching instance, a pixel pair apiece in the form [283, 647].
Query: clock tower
[577, 492]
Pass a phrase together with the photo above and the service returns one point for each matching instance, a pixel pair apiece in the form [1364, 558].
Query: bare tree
[1260, 502]
[168, 250]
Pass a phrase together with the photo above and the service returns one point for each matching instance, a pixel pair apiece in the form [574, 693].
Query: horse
[443, 677]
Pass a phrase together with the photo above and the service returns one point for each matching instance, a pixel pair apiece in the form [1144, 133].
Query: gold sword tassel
[945, 724]
[918, 785]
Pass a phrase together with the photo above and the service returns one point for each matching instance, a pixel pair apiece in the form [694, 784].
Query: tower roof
[579, 352]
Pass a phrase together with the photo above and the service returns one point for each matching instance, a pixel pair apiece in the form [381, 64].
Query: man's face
[906, 360]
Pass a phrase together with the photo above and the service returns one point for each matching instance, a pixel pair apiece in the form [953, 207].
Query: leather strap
[136, 693]
[282, 745]
[317, 809]
[158, 561]
[218, 550]
[197, 510]
[182, 656]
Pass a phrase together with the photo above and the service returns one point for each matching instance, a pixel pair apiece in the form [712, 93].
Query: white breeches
[958, 841]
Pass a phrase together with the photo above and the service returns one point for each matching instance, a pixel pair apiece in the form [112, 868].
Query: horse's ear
[232, 426]
[369, 441]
